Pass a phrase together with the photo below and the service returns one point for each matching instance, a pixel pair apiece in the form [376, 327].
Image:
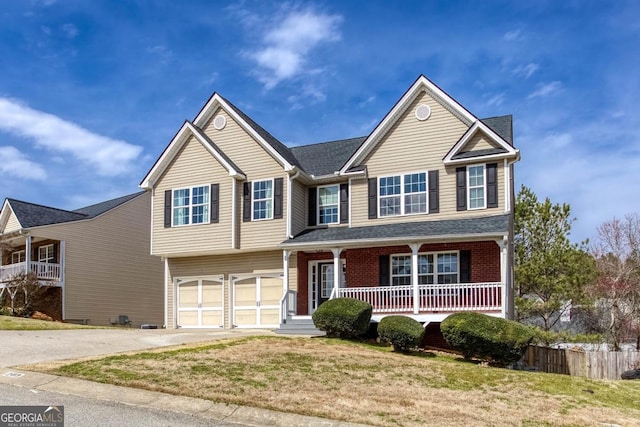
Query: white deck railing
[431, 298]
[43, 270]
[289, 304]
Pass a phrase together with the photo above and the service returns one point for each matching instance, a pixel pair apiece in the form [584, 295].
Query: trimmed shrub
[402, 332]
[343, 317]
[490, 338]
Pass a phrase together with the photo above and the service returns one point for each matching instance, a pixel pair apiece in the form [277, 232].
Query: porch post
[505, 294]
[336, 270]
[415, 247]
[285, 267]
[27, 254]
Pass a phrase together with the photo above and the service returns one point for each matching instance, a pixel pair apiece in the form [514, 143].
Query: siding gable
[12, 223]
[479, 142]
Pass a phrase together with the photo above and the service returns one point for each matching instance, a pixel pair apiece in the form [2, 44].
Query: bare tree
[617, 287]
[24, 291]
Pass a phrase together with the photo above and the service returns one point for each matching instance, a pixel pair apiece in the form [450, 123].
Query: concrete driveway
[27, 347]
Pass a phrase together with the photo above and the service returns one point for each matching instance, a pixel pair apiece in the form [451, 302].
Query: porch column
[415, 247]
[505, 294]
[27, 254]
[336, 270]
[284, 307]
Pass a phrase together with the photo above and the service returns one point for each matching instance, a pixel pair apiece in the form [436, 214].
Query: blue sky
[92, 91]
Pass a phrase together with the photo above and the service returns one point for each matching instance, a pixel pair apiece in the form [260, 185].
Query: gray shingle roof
[464, 227]
[327, 157]
[34, 215]
[478, 153]
[502, 125]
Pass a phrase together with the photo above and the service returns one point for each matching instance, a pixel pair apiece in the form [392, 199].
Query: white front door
[200, 302]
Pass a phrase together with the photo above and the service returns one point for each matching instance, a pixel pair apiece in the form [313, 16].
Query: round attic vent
[423, 111]
[219, 122]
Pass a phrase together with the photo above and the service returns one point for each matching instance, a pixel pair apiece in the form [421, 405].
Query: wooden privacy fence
[596, 364]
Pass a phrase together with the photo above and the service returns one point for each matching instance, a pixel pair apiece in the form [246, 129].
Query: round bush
[491, 338]
[402, 332]
[343, 317]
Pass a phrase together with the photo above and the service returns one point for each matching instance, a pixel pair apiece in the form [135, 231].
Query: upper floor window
[45, 253]
[191, 205]
[403, 194]
[476, 186]
[18, 256]
[328, 203]
[433, 268]
[262, 199]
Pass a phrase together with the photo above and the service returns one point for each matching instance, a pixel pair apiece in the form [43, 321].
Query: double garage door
[254, 301]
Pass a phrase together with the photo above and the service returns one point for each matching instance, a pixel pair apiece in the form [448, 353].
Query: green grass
[317, 376]
[9, 323]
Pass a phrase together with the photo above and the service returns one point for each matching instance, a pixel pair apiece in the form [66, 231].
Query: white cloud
[496, 100]
[288, 44]
[526, 70]
[70, 30]
[17, 164]
[513, 35]
[545, 89]
[108, 156]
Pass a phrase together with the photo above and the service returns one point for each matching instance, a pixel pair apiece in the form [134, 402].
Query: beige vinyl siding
[299, 208]
[108, 268]
[418, 146]
[479, 142]
[12, 224]
[236, 264]
[194, 165]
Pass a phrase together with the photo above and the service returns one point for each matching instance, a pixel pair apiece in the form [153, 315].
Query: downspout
[166, 292]
[290, 203]
[234, 202]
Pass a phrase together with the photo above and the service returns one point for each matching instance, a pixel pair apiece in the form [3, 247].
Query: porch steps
[297, 326]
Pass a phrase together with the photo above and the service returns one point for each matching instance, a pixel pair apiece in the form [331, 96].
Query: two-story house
[415, 218]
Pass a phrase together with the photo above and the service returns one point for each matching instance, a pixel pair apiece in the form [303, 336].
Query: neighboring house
[415, 218]
[95, 260]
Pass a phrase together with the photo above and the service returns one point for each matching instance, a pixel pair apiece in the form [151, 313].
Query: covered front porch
[24, 254]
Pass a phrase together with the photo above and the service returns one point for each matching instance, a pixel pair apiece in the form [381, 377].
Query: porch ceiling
[445, 230]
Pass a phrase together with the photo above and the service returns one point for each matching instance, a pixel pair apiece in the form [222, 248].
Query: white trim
[166, 294]
[200, 309]
[422, 83]
[484, 187]
[470, 133]
[318, 204]
[47, 257]
[435, 264]
[253, 199]
[63, 275]
[5, 214]
[174, 147]
[209, 109]
[233, 278]
[234, 208]
[349, 202]
[311, 264]
[190, 205]
[153, 191]
[507, 192]
[403, 194]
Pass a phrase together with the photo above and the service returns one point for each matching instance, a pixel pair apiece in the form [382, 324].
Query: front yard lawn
[10, 323]
[365, 384]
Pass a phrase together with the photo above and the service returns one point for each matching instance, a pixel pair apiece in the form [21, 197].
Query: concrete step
[299, 327]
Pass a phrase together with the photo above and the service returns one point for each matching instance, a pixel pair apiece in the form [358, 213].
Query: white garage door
[256, 300]
[200, 302]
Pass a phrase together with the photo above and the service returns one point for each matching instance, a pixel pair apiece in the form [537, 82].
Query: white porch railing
[43, 270]
[431, 298]
[289, 304]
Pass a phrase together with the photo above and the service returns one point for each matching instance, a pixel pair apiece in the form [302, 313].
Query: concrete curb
[162, 401]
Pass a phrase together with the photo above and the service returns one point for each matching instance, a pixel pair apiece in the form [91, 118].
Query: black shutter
[55, 253]
[373, 198]
[246, 202]
[434, 188]
[277, 198]
[167, 209]
[465, 266]
[461, 188]
[313, 206]
[344, 203]
[214, 211]
[384, 270]
[492, 185]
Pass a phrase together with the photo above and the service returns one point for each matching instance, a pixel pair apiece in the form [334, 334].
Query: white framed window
[433, 268]
[329, 204]
[476, 187]
[402, 194]
[262, 200]
[45, 253]
[190, 205]
[18, 256]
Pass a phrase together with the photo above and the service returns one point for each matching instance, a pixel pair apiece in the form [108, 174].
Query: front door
[321, 283]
